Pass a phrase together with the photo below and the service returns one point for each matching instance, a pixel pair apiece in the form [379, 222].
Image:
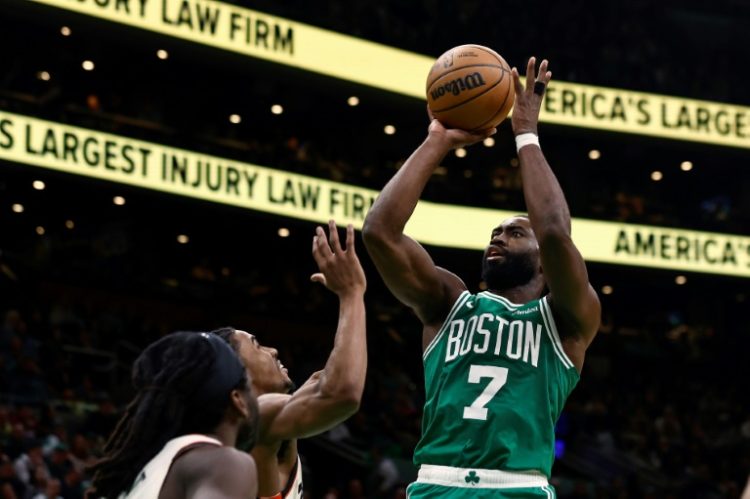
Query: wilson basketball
[470, 87]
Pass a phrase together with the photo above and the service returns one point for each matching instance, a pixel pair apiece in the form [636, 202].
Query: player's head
[512, 257]
[263, 365]
[186, 383]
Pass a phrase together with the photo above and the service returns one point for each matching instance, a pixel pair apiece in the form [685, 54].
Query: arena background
[98, 258]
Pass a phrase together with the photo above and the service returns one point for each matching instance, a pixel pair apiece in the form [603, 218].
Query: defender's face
[267, 373]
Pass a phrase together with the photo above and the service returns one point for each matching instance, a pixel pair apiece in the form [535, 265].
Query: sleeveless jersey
[293, 487]
[496, 380]
[149, 481]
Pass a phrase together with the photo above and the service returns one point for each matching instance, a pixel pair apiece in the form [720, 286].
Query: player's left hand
[529, 100]
[340, 270]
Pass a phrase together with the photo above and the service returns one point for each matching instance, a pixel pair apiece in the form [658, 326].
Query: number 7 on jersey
[498, 375]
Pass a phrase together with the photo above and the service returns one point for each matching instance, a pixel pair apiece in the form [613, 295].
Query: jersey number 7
[498, 375]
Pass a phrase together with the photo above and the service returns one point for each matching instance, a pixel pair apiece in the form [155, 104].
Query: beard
[515, 270]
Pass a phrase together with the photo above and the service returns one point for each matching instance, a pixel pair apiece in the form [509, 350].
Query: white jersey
[293, 487]
[150, 480]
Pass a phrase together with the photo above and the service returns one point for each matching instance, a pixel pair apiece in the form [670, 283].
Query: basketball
[470, 87]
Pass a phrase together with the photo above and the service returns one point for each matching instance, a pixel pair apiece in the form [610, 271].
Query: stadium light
[353, 101]
[461, 152]
[69, 224]
[17, 208]
[162, 54]
[38, 185]
[656, 175]
[594, 154]
[488, 142]
[389, 129]
[686, 166]
[235, 118]
[87, 65]
[65, 31]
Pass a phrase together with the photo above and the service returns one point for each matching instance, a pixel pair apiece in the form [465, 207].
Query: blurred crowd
[660, 412]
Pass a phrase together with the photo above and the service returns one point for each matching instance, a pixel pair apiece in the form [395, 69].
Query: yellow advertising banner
[249, 32]
[38, 143]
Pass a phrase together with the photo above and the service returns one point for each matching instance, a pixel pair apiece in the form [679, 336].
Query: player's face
[512, 257]
[268, 374]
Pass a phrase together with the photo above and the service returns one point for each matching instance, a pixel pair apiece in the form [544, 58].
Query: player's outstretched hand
[340, 270]
[529, 100]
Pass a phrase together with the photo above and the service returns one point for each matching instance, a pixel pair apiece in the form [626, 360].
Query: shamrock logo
[472, 478]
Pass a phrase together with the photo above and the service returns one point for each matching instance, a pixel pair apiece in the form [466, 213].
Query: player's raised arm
[403, 263]
[333, 394]
[573, 300]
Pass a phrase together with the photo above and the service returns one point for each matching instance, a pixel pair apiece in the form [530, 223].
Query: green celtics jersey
[496, 380]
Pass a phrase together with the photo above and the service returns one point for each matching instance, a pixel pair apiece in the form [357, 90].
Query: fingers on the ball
[333, 236]
[429, 113]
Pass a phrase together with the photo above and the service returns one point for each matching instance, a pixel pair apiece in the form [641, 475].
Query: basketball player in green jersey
[499, 364]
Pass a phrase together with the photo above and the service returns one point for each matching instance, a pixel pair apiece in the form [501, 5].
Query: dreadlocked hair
[164, 375]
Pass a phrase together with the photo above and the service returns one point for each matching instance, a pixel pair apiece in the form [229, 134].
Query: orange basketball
[470, 87]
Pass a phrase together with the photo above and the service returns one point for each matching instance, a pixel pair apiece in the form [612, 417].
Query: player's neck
[226, 433]
[524, 293]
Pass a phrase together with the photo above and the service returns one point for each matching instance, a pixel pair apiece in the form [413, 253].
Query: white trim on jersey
[462, 298]
[509, 304]
[549, 321]
[469, 478]
[150, 479]
[293, 489]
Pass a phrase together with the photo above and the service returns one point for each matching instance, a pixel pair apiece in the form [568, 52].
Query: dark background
[662, 409]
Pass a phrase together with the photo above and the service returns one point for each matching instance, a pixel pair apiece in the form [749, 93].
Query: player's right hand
[340, 270]
[454, 137]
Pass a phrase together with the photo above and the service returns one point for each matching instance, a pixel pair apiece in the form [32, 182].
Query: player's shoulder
[212, 460]
[453, 287]
[453, 284]
[270, 404]
[269, 401]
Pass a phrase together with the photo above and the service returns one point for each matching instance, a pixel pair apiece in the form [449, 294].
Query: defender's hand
[529, 100]
[340, 270]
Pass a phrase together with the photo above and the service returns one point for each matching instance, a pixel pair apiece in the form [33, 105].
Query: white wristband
[525, 139]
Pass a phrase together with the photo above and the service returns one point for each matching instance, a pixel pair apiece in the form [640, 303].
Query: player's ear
[240, 403]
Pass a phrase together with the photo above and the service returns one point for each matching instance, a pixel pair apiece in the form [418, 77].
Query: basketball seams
[460, 80]
[498, 82]
[499, 66]
[496, 112]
